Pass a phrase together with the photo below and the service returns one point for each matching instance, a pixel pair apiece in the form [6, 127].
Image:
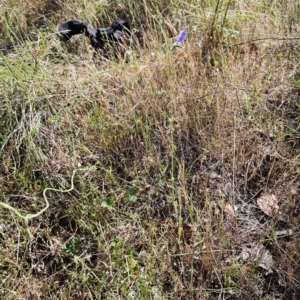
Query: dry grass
[166, 144]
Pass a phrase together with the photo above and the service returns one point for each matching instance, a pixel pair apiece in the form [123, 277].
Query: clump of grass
[165, 141]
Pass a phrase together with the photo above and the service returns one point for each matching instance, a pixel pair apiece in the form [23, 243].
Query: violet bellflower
[181, 37]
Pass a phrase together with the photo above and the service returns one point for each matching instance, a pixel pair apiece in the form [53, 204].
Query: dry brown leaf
[266, 261]
[268, 203]
[186, 232]
[259, 254]
[227, 207]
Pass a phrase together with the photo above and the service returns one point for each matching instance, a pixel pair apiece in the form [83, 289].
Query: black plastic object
[97, 37]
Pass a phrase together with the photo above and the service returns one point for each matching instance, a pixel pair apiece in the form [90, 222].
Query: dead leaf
[266, 261]
[184, 232]
[268, 203]
[259, 254]
[229, 209]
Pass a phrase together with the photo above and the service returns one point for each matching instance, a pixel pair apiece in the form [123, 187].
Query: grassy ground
[172, 150]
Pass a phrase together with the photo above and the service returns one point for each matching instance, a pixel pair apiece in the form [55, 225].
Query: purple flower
[181, 37]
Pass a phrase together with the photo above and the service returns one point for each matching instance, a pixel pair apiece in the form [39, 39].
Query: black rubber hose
[97, 37]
